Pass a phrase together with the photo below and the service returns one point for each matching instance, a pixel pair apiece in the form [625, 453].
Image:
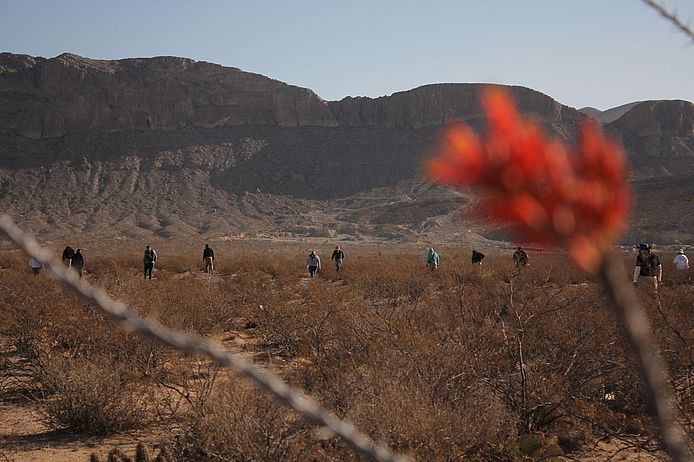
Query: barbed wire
[268, 381]
[672, 17]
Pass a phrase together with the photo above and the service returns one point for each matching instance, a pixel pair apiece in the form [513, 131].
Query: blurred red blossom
[549, 193]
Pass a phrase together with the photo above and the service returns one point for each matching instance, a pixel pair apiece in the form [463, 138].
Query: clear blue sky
[599, 53]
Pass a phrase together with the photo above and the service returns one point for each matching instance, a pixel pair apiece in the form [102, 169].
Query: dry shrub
[95, 399]
[407, 416]
[238, 422]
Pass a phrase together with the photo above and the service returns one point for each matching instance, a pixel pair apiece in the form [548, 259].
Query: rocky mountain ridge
[49, 98]
[175, 148]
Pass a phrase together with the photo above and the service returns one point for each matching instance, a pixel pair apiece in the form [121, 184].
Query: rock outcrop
[659, 137]
[657, 129]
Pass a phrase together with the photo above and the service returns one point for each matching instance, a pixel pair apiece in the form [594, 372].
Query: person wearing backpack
[78, 262]
[313, 263]
[432, 260]
[149, 259]
[208, 258]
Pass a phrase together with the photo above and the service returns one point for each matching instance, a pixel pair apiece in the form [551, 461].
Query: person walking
[78, 262]
[150, 258]
[432, 259]
[520, 258]
[681, 261]
[68, 253]
[477, 257]
[36, 266]
[338, 256]
[648, 265]
[208, 258]
[313, 263]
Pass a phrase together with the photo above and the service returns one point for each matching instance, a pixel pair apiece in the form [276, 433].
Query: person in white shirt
[681, 261]
[36, 266]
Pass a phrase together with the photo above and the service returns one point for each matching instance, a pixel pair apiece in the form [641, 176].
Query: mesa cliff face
[48, 98]
[175, 147]
[657, 130]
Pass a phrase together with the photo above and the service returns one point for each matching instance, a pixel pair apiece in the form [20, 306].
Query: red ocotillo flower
[548, 192]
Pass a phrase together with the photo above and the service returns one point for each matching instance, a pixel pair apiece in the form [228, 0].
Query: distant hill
[609, 115]
[174, 148]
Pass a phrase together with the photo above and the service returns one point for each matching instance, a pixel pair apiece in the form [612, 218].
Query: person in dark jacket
[520, 258]
[648, 265]
[477, 257]
[68, 253]
[78, 262]
[208, 258]
[338, 256]
[149, 259]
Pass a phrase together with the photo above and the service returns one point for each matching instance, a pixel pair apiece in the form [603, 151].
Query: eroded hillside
[176, 148]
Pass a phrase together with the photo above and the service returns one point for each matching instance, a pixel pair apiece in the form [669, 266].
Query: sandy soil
[23, 437]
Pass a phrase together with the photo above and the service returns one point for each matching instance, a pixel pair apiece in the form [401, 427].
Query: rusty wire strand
[268, 381]
[672, 17]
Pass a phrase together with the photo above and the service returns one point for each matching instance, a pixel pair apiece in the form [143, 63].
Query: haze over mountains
[175, 148]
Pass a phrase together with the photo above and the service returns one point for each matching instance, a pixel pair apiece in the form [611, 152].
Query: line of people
[520, 258]
[647, 266]
[75, 260]
[313, 264]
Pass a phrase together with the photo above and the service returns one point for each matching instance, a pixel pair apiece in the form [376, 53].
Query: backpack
[149, 256]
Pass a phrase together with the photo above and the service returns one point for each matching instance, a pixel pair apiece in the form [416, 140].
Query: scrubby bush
[460, 364]
[237, 422]
[93, 399]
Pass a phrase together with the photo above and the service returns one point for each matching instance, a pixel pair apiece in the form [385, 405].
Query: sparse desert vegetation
[467, 363]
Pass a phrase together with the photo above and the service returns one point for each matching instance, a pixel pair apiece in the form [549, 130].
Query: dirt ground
[25, 437]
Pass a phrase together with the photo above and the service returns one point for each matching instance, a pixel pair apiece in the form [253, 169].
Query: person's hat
[681, 251]
[644, 246]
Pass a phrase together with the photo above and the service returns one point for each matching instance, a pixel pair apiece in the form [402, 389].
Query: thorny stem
[638, 330]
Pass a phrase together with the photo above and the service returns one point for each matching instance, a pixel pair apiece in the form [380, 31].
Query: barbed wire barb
[268, 381]
[672, 17]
